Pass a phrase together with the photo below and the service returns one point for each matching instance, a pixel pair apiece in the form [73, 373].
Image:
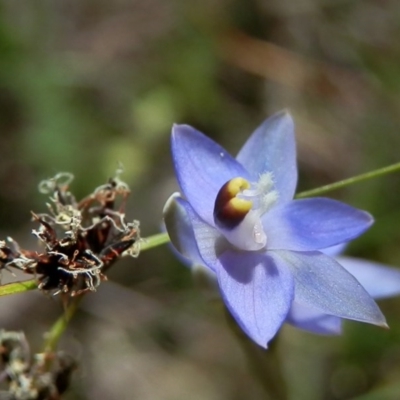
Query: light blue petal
[202, 167]
[257, 292]
[334, 250]
[314, 321]
[323, 284]
[313, 224]
[180, 230]
[272, 148]
[379, 280]
[208, 240]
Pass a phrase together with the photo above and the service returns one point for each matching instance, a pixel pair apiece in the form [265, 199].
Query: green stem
[154, 241]
[350, 181]
[58, 328]
[18, 287]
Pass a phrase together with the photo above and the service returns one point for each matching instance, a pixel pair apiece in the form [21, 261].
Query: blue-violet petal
[322, 283]
[313, 224]
[272, 148]
[180, 230]
[312, 320]
[202, 167]
[379, 280]
[256, 291]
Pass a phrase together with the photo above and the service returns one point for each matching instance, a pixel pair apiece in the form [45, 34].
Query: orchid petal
[323, 284]
[202, 167]
[180, 230]
[312, 320]
[184, 244]
[272, 148]
[379, 280]
[313, 224]
[256, 291]
[334, 251]
[206, 237]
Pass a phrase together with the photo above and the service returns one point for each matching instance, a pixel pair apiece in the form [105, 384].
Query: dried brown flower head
[45, 376]
[81, 239]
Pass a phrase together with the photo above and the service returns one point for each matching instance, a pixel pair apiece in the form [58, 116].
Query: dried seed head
[81, 240]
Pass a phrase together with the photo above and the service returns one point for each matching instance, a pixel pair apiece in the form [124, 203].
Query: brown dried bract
[81, 239]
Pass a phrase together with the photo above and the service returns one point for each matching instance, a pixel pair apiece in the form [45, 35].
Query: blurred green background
[90, 83]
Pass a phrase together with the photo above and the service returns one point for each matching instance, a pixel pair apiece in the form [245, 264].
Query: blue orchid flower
[379, 280]
[238, 218]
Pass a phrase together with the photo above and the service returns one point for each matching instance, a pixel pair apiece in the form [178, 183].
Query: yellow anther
[236, 185]
[241, 206]
[230, 210]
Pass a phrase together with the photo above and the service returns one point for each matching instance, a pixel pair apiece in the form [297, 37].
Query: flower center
[238, 209]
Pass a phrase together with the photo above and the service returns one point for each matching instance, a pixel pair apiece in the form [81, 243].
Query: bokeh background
[90, 83]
